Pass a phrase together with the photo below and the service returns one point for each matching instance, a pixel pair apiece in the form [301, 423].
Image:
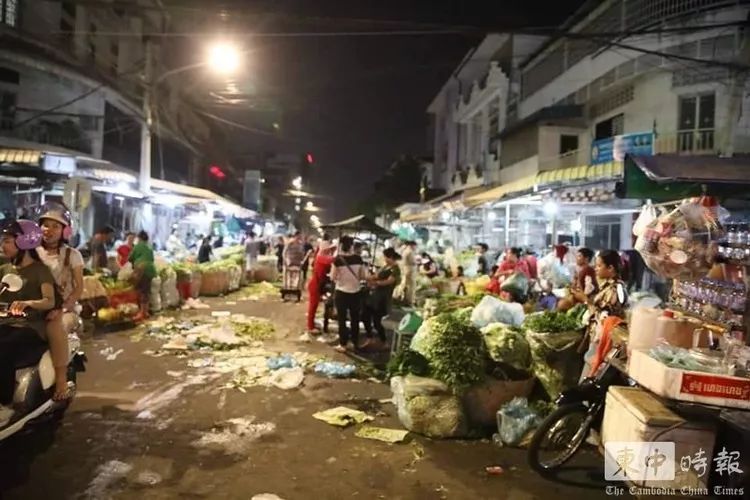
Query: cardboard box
[635, 415]
[683, 385]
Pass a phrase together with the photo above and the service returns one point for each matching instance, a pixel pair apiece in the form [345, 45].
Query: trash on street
[335, 369]
[341, 416]
[382, 434]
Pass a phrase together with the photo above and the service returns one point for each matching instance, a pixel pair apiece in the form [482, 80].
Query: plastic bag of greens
[517, 285]
[515, 420]
[507, 344]
[493, 310]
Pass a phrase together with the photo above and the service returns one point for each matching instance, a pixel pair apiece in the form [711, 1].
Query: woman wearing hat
[321, 269]
[19, 241]
[379, 302]
[66, 264]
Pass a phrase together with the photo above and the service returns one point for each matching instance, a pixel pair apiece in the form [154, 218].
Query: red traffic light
[216, 172]
[309, 158]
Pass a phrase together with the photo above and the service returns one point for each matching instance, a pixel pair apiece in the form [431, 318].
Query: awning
[191, 191]
[671, 177]
[497, 192]
[610, 170]
[359, 224]
[423, 216]
[24, 156]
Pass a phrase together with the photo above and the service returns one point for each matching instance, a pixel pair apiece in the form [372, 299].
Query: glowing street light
[224, 58]
[297, 183]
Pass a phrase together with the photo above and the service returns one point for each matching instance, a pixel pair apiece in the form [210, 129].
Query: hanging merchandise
[645, 218]
[683, 243]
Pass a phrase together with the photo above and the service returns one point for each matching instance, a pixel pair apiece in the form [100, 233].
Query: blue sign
[615, 148]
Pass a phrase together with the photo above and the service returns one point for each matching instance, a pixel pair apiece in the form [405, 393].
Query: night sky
[359, 102]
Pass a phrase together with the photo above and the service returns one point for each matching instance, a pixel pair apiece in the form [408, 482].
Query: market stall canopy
[602, 171]
[671, 177]
[359, 224]
[496, 193]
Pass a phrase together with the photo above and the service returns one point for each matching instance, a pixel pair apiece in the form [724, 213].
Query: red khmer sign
[715, 387]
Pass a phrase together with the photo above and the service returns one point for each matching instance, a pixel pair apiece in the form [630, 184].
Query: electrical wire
[59, 106]
[550, 31]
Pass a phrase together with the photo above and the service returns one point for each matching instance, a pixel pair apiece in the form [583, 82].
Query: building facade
[527, 114]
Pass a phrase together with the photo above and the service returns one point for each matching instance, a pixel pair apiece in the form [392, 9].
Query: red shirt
[123, 253]
[531, 261]
[322, 267]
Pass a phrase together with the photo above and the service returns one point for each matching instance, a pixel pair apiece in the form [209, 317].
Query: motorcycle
[579, 410]
[35, 377]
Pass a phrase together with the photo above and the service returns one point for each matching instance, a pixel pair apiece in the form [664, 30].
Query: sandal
[340, 348]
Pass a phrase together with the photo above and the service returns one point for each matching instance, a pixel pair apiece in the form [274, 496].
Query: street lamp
[223, 58]
[297, 183]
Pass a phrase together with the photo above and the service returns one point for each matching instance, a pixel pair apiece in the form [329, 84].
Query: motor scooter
[35, 376]
[579, 410]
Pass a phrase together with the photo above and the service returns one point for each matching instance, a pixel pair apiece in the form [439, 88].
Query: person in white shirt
[66, 265]
[348, 274]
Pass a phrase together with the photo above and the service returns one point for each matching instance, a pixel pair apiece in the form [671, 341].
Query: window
[9, 10]
[610, 127]
[8, 75]
[568, 143]
[696, 121]
[7, 110]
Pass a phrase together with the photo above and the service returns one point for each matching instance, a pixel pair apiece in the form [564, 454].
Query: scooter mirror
[11, 283]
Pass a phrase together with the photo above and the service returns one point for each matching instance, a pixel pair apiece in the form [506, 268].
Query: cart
[292, 283]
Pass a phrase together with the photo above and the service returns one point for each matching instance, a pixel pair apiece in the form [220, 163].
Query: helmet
[58, 213]
[27, 233]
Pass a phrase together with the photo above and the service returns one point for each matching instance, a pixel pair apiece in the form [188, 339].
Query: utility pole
[145, 170]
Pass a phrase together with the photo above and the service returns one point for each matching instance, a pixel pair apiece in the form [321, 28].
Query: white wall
[519, 170]
[593, 67]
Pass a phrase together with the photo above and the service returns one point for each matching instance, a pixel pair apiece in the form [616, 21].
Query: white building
[570, 107]
[71, 84]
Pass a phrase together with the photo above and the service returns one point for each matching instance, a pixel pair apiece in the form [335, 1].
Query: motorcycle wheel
[565, 436]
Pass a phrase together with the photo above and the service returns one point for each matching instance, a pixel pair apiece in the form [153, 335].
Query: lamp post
[223, 58]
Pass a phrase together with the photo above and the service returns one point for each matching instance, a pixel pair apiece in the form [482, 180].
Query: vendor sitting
[584, 281]
[428, 267]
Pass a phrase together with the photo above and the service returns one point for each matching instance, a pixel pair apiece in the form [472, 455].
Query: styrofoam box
[683, 385]
[633, 414]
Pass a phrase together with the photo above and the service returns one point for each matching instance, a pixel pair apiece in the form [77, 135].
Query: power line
[549, 31]
[59, 106]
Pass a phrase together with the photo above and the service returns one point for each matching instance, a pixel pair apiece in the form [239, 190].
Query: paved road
[145, 427]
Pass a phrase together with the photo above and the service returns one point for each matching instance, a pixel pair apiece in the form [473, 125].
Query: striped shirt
[348, 273]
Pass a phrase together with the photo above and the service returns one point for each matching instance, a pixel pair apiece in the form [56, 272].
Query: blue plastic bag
[283, 361]
[515, 420]
[334, 369]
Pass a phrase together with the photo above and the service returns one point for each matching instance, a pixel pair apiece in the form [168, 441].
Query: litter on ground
[106, 476]
[287, 378]
[235, 436]
[335, 369]
[382, 434]
[341, 416]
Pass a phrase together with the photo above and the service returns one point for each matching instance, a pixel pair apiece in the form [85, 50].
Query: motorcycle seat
[30, 357]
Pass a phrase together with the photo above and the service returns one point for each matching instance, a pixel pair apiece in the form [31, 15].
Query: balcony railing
[570, 159]
[700, 141]
[686, 142]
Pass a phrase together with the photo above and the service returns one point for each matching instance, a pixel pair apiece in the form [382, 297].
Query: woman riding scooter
[26, 327]
[66, 264]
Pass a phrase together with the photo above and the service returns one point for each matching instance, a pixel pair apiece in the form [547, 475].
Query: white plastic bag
[155, 303]
[125, 272]
[647, 216]
[493, 310]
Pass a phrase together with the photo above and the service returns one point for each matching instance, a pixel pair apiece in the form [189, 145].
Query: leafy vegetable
[408, 362]
[455, 350]
[507, 344]
[551, 322]
[252, 329]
